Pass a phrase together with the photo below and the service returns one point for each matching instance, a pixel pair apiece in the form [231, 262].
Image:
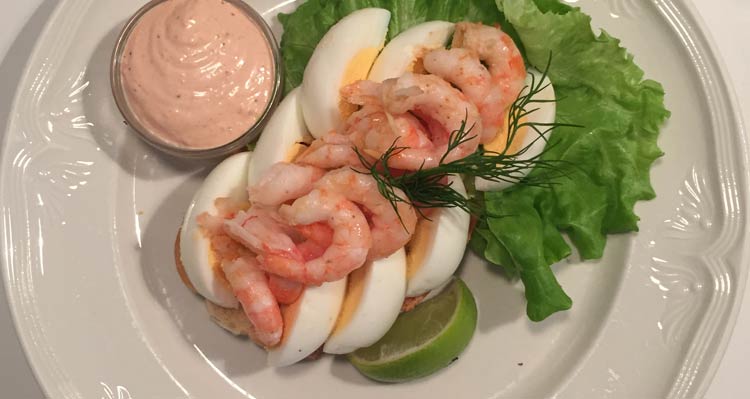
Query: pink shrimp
[363, 92]
[350, 242]
[371, 129]
[331, 151]
[284, 290]
[262, 231]
[418, 112]
[497, 50]
[286, 248]
[317, 237]
[375, 133]
[492, 88]
[336, 149]
[300, 244]
[284, 182]
[391, 229]
[463, 68]
[442, 109]
[250, 286]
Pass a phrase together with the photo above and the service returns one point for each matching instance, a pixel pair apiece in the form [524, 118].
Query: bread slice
[233, 320]
[411, 302]
[178, 264]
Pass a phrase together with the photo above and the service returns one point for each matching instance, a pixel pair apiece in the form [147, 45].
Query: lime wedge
[424, 340]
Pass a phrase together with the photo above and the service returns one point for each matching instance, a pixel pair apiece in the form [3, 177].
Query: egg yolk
[357, 69]
[218, 271]
[419, 245]
[296, 150]
[180, 266]
[417, 64]
[289, 314]
[355, 287]
[498, 143]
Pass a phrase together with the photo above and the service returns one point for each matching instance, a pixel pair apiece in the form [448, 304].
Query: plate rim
[36, 363]
[721, 80]
[692, 24]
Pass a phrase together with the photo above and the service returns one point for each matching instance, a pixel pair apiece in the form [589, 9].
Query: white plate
[89, 215]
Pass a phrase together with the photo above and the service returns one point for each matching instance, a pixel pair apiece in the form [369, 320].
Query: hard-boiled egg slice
[279, 142]
[228, 180]
[402, 54]
[308, 322]
[437, 290]
[373, 300]
[282, 139]
[437, 247]
[525, 136]
[344, 55]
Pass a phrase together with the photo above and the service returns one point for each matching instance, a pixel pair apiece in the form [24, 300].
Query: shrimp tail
[250, 286]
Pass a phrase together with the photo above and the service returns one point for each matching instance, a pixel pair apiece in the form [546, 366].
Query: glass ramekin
[131, 119]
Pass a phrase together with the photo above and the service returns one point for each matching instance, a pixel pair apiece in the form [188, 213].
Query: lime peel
[422, 341]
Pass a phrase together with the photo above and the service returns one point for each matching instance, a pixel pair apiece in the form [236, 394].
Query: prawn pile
[318, 218]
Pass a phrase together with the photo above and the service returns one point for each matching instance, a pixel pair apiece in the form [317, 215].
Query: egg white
[450, 226]
[316, 106]
[281, 137]
[308, 323]
[444, 247]
[228, 179]
[370, 310]
[544, 114]
[401, 53]
[279, 142]
[437, 290]
[331, 63]
[318, 307]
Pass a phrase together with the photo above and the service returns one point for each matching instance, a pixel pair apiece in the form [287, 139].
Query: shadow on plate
[499, 299]
[113, 136]
[343, 370]
[14, 62]
[136, 158]
[235, 356]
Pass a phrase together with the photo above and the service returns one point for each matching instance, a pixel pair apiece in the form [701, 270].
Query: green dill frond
[429, 188]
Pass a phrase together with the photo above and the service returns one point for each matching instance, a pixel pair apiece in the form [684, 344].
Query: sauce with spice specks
[197, 74]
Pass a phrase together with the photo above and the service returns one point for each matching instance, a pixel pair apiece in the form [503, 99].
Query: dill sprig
[429, 187]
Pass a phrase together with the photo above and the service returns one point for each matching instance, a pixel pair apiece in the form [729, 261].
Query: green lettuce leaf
[598, 86]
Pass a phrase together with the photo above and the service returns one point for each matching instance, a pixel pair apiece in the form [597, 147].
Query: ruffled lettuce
[598, 86]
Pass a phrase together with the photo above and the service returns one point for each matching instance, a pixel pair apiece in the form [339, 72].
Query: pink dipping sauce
[197, 73]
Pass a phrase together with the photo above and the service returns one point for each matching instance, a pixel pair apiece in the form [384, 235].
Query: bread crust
[411, 302]
[233, 320]
[178, 264]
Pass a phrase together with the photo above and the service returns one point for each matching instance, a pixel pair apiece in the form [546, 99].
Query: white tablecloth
[22, 20]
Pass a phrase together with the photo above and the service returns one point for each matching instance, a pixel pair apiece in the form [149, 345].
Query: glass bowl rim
[252, 133]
